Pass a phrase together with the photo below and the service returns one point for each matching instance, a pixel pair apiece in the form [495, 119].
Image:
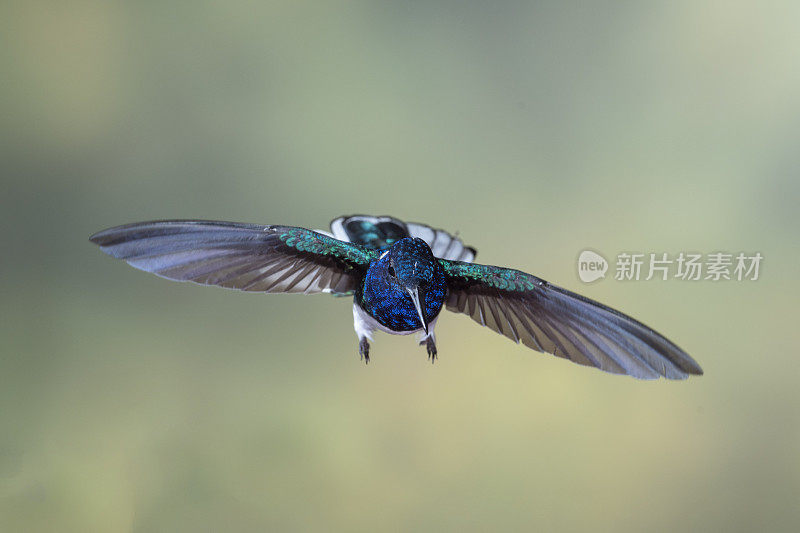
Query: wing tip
[677, 372]
[673, 374]
[674, 369]
[682, 361]
[99, 238]
[107, 239]
[694, 370]
[117, 234]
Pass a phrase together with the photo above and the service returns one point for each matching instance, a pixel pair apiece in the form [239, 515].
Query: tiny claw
[363, 350]
[430, 346]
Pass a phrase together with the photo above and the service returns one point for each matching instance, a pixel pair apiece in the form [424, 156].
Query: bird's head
[410, 264]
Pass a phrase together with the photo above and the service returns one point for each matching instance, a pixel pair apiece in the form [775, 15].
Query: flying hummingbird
[400, 276]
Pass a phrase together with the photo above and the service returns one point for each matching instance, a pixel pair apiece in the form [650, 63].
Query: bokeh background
[129, 403]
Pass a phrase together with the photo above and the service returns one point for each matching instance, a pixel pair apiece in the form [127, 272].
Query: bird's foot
[430, 345]
[363, 350]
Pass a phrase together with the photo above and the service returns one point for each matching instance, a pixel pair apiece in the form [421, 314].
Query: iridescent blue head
[405, 289]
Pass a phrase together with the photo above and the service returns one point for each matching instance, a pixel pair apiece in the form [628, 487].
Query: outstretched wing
[553, 320]
[247, 257]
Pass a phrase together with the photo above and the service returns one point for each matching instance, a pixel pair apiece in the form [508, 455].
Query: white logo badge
[591, 266]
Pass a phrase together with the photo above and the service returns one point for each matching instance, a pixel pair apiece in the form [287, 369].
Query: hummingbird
[400, 276]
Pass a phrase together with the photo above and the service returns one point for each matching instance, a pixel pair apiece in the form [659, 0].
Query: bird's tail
[378, 233]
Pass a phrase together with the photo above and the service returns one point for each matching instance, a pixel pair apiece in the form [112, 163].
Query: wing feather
[248, 257]
[550, 319]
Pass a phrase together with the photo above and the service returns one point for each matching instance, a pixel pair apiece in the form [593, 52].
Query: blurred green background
[129, 403]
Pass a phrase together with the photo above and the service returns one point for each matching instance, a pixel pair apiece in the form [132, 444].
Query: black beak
[418, 297]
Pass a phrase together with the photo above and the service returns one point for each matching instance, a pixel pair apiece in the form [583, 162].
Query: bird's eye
[391, 272]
